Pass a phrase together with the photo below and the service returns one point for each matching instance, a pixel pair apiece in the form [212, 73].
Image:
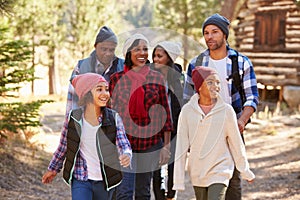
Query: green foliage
[59, 31]
[6, 6]
[140, 15]
[19, 116]
[43, 24]
[14, 56]
[184, 16]
[83, 20]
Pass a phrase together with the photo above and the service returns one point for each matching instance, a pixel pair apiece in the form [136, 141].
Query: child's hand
[250, 181]
[124, 160]
[48, 177]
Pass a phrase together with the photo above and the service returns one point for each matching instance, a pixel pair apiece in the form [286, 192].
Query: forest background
[41, 42]
[62, 32]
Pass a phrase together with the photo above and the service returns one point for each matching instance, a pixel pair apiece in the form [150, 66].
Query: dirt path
[272, 148]
[274, 155]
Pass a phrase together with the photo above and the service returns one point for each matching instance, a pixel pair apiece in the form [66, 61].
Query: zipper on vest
[73, 166]
[102, 161]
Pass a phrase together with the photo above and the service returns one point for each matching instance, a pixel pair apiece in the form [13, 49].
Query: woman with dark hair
[138, 94]
[164, 56]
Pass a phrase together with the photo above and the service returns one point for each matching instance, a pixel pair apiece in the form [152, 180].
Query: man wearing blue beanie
[219, 21]
[238, 80]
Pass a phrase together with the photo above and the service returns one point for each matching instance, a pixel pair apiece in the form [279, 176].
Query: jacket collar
[106, 121]
[218, 107]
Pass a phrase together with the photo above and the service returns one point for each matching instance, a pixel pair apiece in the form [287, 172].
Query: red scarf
[137, 93]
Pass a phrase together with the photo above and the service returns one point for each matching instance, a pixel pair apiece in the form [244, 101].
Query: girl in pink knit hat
[208, 128]
[94, 146]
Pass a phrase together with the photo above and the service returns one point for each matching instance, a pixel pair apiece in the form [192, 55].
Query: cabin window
[270, 30]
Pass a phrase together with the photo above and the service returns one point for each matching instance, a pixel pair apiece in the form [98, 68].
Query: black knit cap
[106, 34]
[218, 20]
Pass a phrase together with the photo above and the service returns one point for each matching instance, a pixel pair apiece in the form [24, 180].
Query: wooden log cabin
[268, 32]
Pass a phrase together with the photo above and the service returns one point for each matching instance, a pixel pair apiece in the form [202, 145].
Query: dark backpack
[237, 82]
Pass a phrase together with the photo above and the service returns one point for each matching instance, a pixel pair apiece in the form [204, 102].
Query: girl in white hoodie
[207, 127]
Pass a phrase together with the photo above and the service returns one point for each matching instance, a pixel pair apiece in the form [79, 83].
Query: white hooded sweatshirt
[215, 146]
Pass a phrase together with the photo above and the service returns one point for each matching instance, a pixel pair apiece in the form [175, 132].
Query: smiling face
[160, 58]
[100, 94]
[139, 54]
[210, 87]
[214, 37]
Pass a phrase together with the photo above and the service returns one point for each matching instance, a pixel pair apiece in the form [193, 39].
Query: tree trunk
[185, 42]
[228, 8]
[32, 63]
[52, 85]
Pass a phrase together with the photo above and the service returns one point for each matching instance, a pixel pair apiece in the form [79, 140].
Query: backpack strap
[237, 82]
[236, 77]
[199, 60]
[120, 65]
[115, 63]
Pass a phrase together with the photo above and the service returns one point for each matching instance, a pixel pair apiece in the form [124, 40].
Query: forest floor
[272, 143]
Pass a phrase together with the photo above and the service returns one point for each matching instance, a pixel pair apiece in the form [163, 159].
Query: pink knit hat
[199, 74]
[83, 83]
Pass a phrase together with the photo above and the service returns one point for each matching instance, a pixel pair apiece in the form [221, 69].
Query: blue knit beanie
[106, 34]
[219, 21]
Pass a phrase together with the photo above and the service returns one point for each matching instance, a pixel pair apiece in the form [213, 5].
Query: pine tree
[14, 115]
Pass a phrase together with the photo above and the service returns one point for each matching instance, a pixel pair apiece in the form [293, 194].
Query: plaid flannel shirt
[80, 170]
[142, 133]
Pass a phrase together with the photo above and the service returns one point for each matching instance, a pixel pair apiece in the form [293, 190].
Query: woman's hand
[124, 160]
[48, 177]
[164, 156]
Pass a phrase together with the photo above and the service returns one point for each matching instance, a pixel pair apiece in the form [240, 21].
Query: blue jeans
[137, 179]
[90, 190]
[125, 190]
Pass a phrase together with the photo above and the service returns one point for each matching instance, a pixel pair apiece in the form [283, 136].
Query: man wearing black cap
[219, 56]
[102, 61]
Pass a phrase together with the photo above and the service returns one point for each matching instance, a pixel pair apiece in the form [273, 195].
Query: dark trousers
[234, 190]
[158, 190]
[136, 181]
[214, 191]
